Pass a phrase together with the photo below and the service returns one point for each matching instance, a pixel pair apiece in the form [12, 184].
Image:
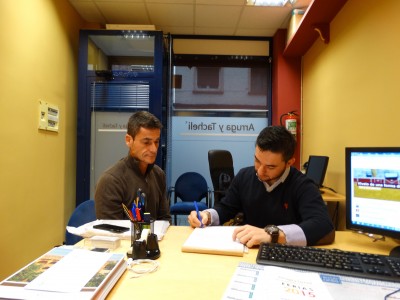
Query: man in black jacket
[279, 204]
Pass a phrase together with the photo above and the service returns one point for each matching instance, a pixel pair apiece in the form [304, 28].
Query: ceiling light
[269, 2]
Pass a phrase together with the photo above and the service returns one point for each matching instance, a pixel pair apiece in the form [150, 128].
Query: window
[208, 80]
[258, 81]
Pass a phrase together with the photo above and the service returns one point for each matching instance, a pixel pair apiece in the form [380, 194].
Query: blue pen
[134, 211]
[198, 213]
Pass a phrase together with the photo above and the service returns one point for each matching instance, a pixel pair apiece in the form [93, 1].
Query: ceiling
[191, 17]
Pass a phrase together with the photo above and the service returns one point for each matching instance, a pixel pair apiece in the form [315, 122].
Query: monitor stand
[395, 252]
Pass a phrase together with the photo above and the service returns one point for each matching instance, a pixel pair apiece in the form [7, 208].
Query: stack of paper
[213, 240]
[160, 228]
[87, 230]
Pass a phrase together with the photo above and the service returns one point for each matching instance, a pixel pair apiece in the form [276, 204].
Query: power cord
[141, 267]
[329, 188]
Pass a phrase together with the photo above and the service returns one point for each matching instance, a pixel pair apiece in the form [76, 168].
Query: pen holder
[136, 231]
[144, 247]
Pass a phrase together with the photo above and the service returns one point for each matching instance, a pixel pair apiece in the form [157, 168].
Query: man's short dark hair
[142, 119]
[277, 140]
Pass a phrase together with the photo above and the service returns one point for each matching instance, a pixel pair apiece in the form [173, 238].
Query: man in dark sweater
[135, 174]
[279, 204]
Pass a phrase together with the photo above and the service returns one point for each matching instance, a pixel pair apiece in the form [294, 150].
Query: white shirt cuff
[214, 216]
[294, 235]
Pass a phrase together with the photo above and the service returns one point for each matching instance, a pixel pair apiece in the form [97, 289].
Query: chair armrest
[171, 190]
[210, 198]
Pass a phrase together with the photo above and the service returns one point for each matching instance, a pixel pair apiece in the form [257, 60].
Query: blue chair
[83, 213]
[189, 187]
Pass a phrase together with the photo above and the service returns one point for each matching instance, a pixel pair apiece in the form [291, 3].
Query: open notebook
[213, 240]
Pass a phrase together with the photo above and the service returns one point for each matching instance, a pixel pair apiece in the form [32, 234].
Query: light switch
[42, 115]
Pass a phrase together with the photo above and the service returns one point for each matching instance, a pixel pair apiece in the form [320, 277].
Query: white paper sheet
[71, 273]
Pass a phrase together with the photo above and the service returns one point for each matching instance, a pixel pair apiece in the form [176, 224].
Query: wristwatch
[273, 231]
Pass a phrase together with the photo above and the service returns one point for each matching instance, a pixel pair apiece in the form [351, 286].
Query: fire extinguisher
[290, 122]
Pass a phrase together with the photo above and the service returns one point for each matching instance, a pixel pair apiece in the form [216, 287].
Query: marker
[198, 213]
[138, 215]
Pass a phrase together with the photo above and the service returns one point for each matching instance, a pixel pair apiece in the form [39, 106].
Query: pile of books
[66, 273]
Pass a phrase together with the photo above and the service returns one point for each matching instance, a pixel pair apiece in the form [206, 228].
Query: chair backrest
[191, 186]
[83, 213]
[316, 168]
[221, 171]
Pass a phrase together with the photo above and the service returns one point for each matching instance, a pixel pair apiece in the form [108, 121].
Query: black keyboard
[321, 260]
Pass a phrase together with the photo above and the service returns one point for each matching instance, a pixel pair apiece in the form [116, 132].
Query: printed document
[252, 281]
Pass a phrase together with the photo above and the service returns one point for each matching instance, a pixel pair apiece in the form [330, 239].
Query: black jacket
[295, 201]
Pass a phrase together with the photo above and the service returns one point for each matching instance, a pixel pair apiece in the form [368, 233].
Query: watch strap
[273, 231]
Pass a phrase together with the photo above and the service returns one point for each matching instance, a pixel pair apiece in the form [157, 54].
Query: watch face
[272, 229]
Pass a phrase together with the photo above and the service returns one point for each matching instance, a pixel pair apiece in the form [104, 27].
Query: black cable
[391, 294]
[329, 188]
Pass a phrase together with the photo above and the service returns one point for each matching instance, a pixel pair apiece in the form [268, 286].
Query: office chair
[189, 187]
[221, 171]
[316, 169]
[83, 213]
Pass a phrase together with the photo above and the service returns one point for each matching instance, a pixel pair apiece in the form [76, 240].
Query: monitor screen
[373, 190]
[316, 168]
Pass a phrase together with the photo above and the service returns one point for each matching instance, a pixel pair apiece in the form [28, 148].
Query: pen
[133, 210]
[141, 204]
[139, 191]
[198, 213]
[127, 212]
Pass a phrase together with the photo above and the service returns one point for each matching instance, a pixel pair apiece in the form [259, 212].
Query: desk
[194, 276]
[338, 212]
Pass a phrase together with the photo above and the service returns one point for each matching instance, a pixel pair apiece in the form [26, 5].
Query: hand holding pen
[198, 218]
[198, 214]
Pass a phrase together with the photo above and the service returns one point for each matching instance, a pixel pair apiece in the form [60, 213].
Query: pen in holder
[144, 242]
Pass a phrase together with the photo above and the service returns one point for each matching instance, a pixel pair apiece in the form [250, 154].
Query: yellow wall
[38, 59]
[350, 98]
[351, 90]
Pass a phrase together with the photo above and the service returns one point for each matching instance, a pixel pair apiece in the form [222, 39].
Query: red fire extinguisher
[290, 122]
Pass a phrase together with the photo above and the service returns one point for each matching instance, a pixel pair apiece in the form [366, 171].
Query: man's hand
[251, 236]
[194, 221]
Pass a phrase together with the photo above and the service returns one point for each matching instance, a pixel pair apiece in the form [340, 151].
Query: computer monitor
[316, 168]
[373, 191]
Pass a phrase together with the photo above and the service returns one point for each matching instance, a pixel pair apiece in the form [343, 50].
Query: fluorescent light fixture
[269, 2]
